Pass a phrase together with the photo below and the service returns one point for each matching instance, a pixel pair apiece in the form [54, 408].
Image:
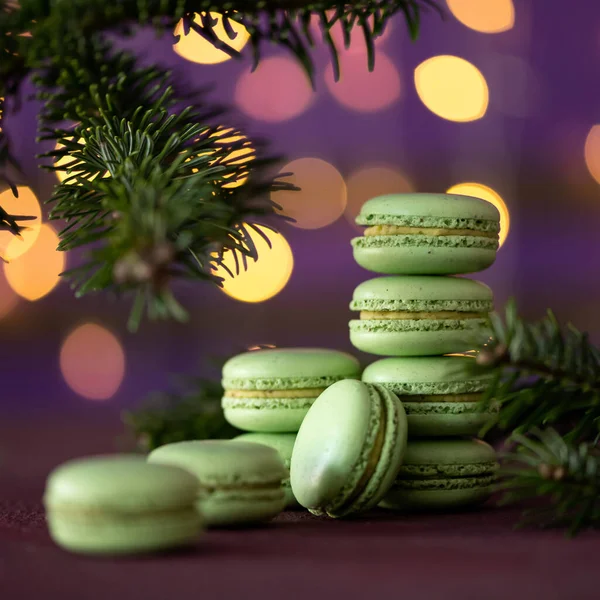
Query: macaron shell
[416, 342]
[111, 533]
[241, 507]
[393, 257]
[283, 419]
[435, 500]
[445, 425]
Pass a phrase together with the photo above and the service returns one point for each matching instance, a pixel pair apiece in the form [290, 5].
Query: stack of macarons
[417, 314]
[269, 392]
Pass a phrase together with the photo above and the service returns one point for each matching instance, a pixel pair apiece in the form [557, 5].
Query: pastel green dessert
[419, 315]
[349, 449]
[284, 444]
[440, 394]
[427, 234]
[241, 482]
[443, 475]
[121, 505]
[271, 390]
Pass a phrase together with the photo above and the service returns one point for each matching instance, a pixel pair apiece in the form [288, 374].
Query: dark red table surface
[469, 555]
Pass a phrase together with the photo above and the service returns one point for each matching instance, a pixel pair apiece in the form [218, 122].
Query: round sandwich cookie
[241, 482]
[284, 444]
[120, 504]
[443, 475]
[419, 315]
[440, 394]
[427, 234]
[271, 390]
[348, 450]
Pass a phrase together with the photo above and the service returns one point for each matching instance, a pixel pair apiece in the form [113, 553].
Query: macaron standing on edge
[272, 390]
[241, 482]
[120, 504]
[443, 474]
[419, 315]
[427, 234]
[349, 449]
[440, 394]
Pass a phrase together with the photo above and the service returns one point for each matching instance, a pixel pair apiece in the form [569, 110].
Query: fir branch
[543, 376]
[562, 478]
[191, 412]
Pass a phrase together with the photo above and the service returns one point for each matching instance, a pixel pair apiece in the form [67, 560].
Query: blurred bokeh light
[361, 90]
[242, 156]
[322, 197]
[195, 48]
[486, 16]
[592, 152]
[66, 162]
[36, 273]
[452, 88]
[26, 204]
[92, 361]
[263, 278]
[8, 299]
[372, 181]
[278, 90]
[478, 190]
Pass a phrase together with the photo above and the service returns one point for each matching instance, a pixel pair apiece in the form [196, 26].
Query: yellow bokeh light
[486, 16]
[238, 157]
[373, 181]
[36, 273]
[195, 48]
[592, 152]
[8, 299]
[452, 88]
[65, 162]
[264, 278]
[27, 205]
[322, 197]
[478, 190]
[92, 361]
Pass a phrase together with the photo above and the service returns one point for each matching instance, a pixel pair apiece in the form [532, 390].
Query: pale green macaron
[419, 315]
[284, 444]
[427, 234]
[349, 449]
[271, 390]
[443, 475]
[241, 482]
[440, 394]
[120, 504]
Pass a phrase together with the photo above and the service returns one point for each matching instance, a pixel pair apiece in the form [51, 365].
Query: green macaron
[419, 315]
[121, 505]
[241, 482]
[284, 444]
[442, 475]
[271, 390]
[427, 234]
[440, 394]
[349, 449]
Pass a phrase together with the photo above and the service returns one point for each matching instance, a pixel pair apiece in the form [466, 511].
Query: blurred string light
[361, 90]
[592, 152]
[65, 162]
[371, 181]
[277, 91]
[92, 362]
[322, 197]
[478, 190]
[452, 88]
[265, 277]
[486, 16]
[8, 299]
[195, 48]
[36, 273]
[242, 156]
[26, 204]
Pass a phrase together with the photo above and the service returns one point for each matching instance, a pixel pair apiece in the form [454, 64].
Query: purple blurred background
[544, 98]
